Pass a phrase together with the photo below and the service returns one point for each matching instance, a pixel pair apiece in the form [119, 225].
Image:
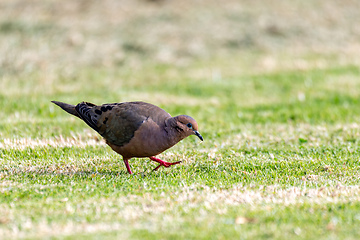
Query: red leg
[162, 163]
[126, 161]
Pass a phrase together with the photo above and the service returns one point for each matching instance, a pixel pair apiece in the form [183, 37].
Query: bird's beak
[199, 135]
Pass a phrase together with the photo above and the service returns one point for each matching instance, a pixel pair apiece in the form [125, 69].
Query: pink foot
[162, 163]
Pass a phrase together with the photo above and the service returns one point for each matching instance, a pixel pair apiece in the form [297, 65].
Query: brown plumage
[135, 129]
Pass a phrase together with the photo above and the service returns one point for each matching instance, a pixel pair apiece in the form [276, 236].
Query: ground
[273, 86]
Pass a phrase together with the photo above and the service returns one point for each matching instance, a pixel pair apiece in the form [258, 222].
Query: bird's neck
[174, 132]
[170, 122]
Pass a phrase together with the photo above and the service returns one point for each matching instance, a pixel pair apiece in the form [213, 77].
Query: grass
[277, 106]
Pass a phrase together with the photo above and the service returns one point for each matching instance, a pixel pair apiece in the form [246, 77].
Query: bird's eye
[189, 125]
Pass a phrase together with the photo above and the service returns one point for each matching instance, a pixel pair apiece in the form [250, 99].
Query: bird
[135, 129]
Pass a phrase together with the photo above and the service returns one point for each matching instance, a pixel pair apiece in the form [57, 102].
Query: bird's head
[186, 126]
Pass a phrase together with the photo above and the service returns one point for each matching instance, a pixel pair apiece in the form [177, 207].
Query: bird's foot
[163, 163]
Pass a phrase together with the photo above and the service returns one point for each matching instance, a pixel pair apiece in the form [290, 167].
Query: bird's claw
[163, 163]
[166, 164]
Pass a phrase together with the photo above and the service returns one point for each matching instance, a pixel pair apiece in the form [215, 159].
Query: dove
[135, 129]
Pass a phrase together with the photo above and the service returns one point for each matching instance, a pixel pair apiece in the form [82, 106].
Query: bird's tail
[67, 107]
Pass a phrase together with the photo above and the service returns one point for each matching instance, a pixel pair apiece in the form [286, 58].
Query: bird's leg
[126, 161]
[162, 163]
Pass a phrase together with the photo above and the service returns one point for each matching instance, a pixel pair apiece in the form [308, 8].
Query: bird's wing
[117, 122]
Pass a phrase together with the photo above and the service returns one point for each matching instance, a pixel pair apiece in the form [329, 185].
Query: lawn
[274, 89]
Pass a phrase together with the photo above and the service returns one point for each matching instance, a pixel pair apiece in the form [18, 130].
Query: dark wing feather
[119, 124]
[85, 111]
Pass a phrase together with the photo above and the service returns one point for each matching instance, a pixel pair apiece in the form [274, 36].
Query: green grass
[279, 116]
[283, 169]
